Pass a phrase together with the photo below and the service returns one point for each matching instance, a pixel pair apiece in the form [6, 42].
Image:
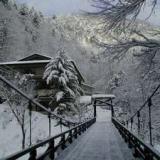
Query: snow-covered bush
[61, 74]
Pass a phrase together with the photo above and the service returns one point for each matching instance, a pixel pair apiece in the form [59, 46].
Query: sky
[50, 7]
[65, 7]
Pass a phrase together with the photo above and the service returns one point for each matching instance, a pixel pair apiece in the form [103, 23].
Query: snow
[103, 114]
[10, 132]
[157, 147]
[62, 81]
[85, 99]
[59, 96]
[103, 96]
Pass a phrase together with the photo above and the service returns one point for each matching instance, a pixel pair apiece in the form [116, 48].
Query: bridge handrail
[32, 149]
[33, 101]
[148, 103]
[141, 149]
[144, 104]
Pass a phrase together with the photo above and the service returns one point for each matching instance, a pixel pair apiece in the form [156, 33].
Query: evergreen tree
[24, 11]
[36, 19]
[5, 2]
[31, 12]
[61, 74]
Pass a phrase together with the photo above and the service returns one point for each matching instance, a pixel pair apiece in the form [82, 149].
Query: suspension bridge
[101, 137]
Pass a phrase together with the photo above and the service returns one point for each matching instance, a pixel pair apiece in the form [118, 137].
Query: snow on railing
[65, 138]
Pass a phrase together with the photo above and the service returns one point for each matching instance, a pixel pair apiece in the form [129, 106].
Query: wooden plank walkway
[101, 142]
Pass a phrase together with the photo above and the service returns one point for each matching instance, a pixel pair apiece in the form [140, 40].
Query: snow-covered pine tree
[61, 75]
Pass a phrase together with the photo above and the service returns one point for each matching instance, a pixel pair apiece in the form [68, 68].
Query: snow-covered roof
[24, 62]
[35, 57]
[94, 96]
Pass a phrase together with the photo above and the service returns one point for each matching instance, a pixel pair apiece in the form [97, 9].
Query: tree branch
[119, 14]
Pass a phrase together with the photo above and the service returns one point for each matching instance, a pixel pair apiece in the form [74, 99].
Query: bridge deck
[101, 142]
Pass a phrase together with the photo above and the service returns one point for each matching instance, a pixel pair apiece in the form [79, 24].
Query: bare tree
[18, 104]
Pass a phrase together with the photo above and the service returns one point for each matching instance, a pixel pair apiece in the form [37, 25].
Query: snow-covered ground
[103, 114]
[10, 131]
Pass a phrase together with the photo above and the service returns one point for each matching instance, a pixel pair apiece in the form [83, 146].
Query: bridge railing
[140, 149]
[65, 138]
[137, 126]
[141, 122]
[62, 121]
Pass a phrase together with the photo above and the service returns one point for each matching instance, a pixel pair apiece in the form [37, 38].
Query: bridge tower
[103, 100]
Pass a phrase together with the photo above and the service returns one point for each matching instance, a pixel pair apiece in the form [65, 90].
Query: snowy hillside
[76, 34]
[21, 37]
[10, 135]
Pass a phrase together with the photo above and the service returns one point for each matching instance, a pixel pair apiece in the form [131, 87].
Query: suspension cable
[148, 99]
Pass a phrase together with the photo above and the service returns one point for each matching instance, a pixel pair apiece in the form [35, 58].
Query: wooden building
[35, 64]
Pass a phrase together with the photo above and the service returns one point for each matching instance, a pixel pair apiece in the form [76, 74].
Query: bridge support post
[112, 109]
[52, 149]
[30, 123]
[49, 122]
[138, 116]
[150, 120]
[131, 123]
[148, 155]
[129, 141]
[61, 125]
[79, 130]
[70, 136]
[63, 146]
[75, 133]
[33, 155]
[95, 112]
